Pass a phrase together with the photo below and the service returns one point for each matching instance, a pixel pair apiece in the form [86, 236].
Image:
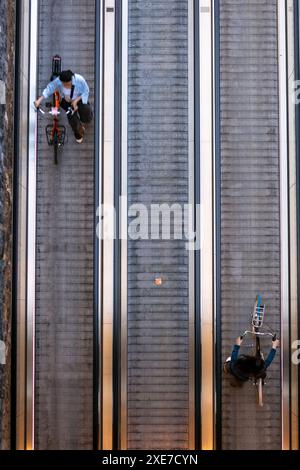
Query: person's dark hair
[66, 76]
[250, 365]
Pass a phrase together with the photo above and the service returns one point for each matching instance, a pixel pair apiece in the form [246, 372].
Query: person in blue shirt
[244, 367]
[74, 92]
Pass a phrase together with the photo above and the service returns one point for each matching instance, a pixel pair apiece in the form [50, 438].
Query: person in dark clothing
[245, 367]
[74, 92]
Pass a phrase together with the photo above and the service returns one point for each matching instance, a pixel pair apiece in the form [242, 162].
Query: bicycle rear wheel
[259, 388]
[259, 383]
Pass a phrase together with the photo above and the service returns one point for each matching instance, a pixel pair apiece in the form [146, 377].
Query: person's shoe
[79, 141]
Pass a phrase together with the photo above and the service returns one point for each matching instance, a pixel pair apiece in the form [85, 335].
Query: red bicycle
[55, 132]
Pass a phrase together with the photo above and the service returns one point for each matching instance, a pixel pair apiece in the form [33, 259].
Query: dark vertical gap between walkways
[218, 230]
[117, 242]
[97, 431]
[289, 217]
[297, 125]
[197, 201]
[13, 428]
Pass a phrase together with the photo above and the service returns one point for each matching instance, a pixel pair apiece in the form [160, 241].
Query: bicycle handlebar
[37, 109]
[259, 333]
[52, 112]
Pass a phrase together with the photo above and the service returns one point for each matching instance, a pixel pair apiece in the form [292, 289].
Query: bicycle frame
[56, 133]
[258, 320]
[56, 99]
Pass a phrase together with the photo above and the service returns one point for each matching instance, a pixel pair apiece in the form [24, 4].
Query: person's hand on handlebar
[275, 344]
[239, 340]
[38, 102]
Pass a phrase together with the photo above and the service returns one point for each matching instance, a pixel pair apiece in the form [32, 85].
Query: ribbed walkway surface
[64, 281]
[250, 226]
[158, 366]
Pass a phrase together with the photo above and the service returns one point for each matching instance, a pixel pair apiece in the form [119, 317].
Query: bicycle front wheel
[55, 148]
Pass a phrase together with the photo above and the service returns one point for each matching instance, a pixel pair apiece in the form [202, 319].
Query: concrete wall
[6, 157]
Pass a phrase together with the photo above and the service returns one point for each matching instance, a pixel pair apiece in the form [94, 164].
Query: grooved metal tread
[250, 222]
[64, 275]
[158, 318]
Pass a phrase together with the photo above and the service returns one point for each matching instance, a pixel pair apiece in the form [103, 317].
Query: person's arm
[38, 102]
[270, 358]
[272, 353]
[86, 92]
[75, 103]
[235, 353]
[83, 90]
[236, 349]
[49, 90]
